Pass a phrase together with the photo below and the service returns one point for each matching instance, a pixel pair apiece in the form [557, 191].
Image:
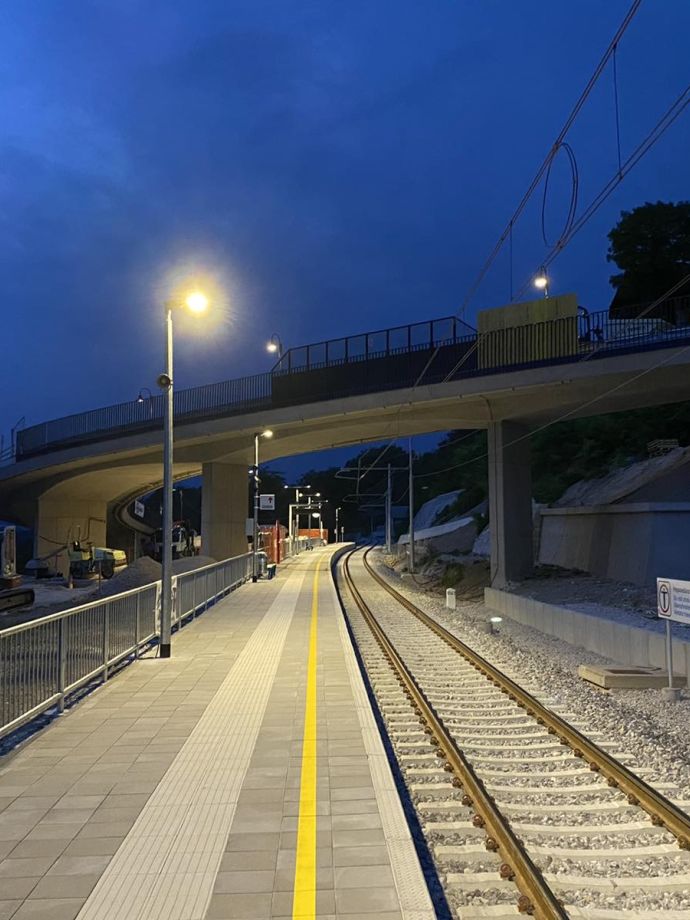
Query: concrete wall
[626, 645]
[497, 347]
[224, 509]
[59, 521]
[635, 542]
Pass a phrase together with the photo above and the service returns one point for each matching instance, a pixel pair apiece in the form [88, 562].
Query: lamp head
[267, 433]
[197, 302]
[540, 280]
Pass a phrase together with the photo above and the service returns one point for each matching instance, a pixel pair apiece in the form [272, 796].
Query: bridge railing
[45, 661]
[429, 352]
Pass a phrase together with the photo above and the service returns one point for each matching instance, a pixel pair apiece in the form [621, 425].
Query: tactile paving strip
[166, 866]
[413, 894]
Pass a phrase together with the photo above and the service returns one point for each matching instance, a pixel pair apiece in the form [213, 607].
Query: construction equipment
[88, 560]
[185, 541]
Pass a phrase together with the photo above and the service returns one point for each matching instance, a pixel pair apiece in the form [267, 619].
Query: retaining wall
[616, 641]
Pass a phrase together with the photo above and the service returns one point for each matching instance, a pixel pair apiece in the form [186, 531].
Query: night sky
[331, 167]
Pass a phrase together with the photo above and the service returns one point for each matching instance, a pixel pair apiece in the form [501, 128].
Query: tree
[651, 246]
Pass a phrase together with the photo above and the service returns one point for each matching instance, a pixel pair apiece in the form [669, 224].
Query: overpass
[526, 365]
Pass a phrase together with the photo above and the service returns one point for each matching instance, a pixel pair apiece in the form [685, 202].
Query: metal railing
[433, 351]
[44, 661]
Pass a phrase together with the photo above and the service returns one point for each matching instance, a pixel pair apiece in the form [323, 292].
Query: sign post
[673, 603]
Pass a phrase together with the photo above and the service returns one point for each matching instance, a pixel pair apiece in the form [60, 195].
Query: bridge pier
[510, 502]
[224, 509]
[58, 521]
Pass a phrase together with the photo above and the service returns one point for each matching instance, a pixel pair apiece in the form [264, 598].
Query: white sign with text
[673, 599]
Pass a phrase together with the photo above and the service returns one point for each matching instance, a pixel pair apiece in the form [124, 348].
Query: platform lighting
[266, 433]
[275, 346]
[197, 303]
[541, 281]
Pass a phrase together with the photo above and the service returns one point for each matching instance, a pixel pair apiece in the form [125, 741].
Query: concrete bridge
[526, 365]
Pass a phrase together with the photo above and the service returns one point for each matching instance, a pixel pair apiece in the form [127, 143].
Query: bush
[454, 573]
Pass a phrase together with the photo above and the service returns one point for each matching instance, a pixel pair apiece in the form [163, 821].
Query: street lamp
[267, 433]
[541, 281]
[275, 346]
[197, 303]
[297, 497]
[145, 396]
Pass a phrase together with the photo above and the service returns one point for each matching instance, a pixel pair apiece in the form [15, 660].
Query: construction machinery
[185, 541]
[87, 560]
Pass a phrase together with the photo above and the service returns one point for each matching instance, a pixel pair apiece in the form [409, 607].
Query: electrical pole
[389, 514]
[411, 497]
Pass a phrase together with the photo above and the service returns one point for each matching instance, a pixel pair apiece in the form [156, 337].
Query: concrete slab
[630, 678]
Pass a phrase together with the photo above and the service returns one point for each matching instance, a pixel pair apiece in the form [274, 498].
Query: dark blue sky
[334, 166]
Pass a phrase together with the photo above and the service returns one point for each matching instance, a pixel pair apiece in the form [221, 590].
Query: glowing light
[272, 347]
[267, 433]
[197, 302]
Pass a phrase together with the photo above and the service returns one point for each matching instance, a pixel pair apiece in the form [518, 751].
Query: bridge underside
[71, 490]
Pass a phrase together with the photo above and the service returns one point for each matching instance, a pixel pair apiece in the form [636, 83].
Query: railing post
[106, 639]
[62, 662]
[137, 626]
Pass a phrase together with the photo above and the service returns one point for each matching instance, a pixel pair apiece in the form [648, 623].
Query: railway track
[523, 812]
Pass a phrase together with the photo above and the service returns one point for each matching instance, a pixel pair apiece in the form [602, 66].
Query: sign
[8, 554]
[673, 599]
[139, 508]
[267, 502]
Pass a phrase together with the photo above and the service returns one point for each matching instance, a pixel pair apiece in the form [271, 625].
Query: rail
[432, 352]
[45, 661]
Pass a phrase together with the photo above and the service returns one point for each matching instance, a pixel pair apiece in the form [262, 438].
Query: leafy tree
[651, 246]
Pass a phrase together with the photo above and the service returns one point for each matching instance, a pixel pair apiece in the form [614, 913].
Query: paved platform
[242, 778]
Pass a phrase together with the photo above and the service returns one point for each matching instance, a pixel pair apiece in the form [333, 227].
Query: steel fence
[44, 661]
[432, 351]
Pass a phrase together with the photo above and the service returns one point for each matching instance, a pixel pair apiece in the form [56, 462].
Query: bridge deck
[190, 788]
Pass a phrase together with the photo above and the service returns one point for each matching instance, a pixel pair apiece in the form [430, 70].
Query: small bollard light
[450, 598]
[493, 624]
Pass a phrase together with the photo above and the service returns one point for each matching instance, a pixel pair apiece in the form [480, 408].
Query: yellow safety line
[304, 899]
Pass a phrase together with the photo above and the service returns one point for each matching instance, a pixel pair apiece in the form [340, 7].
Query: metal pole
[669, 654]
[255, 573]
[337, 519]
[389, 510]
[411, 501]
[166, 558]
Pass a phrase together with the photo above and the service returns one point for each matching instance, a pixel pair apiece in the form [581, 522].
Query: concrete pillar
[224, 509]
[510, 502]
[59, 521]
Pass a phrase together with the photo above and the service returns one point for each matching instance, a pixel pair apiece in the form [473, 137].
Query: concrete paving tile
[355, 807]
[358, 838]
[352, 792]
[8, 909]
[25, 867]
[253, 860]
[375, 856]
[79, 865]
[252, 841]
[18, 887]
[365, 900]
[43, 831]
[285, 879]
[244, 880]
[67, 816]
[49, 909]
[65, 886]
[245, 906]
[379, 915]
[93, 846]
[350, 822]
[106, 829]
[282, 903]
[33, 848]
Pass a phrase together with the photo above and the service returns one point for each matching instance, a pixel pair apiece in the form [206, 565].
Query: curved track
[523, 811]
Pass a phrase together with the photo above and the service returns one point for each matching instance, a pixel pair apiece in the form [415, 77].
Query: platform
[242, 778]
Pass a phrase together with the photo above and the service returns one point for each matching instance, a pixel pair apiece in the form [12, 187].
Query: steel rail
[536, 897]
[662, 811]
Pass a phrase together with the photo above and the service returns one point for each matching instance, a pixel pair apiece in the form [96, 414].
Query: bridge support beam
[224, 509]
[59, 521]
[510, 502]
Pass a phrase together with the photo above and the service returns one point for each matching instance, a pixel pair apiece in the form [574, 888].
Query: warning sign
[673, 599]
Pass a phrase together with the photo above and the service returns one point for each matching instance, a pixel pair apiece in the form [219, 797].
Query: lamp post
[297, 497]
[337, 520]
[197, 303]
[267, 433]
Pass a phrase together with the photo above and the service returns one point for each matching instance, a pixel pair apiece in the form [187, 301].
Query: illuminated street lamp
[275, 346]
[197, 303]
[541, 281]
[267, 433]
